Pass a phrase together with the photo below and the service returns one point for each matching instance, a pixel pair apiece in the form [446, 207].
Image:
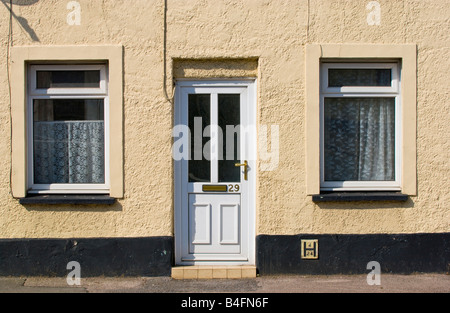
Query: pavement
[389, 283]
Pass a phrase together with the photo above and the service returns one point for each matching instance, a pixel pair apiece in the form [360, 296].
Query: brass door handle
[245, 165]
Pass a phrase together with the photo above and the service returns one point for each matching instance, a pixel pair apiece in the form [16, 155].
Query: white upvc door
[215, 166]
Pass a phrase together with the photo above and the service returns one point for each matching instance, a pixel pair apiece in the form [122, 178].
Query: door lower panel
[214, 224]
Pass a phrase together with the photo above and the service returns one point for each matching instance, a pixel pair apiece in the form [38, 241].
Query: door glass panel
[229, 121]
[199, 109]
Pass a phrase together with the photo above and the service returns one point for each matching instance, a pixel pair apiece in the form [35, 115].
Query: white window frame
[361, 91]
[64, 91]
[394, 88]
[67, 93]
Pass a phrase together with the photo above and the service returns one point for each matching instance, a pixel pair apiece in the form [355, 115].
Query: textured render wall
[275, 32]
[146, 209]
[207, 68]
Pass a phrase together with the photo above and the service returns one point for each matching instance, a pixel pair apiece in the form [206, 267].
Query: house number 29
[233, 188]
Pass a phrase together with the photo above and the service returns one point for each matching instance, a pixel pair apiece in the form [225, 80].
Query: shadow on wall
[21, 20]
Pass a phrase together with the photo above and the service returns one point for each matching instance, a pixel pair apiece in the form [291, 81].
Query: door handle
[245, 165]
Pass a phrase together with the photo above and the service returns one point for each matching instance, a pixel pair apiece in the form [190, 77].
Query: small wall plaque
[310, 249]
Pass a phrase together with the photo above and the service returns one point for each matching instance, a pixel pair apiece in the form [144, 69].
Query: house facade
[300, 137]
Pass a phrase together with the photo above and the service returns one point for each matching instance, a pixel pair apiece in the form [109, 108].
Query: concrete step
[213, 272]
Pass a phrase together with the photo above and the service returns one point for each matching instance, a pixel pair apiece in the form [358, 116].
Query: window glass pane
[67, 109]
[68, 141]
[229, 143]
[359, 77]
[359, 139]
[199, 118]
[67, 79]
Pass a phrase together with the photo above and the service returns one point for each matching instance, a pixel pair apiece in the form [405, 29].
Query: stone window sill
[68, 199]
[359, 196]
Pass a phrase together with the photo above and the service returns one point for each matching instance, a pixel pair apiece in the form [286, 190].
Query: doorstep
[213, 272]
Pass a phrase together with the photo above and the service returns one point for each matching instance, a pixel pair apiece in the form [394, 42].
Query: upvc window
[360, 126]
[68, 129]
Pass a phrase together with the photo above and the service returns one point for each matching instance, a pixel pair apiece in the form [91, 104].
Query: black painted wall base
[349, 254]
[104, 256]
[279, 254]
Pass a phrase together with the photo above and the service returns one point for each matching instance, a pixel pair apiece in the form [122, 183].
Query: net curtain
[69, 152]
[359, 139]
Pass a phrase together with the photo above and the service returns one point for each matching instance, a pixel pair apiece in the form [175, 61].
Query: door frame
[250, 84]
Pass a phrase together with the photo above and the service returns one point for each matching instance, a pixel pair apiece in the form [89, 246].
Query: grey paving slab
[417, 283]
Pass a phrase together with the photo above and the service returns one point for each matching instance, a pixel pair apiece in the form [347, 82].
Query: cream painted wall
[273, 32]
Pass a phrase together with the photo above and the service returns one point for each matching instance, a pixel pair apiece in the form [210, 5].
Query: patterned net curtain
[69, 152]
[359, 132]
[359, 139]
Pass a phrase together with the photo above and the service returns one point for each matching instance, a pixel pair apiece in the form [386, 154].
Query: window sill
[359, 196]
[68, 199]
